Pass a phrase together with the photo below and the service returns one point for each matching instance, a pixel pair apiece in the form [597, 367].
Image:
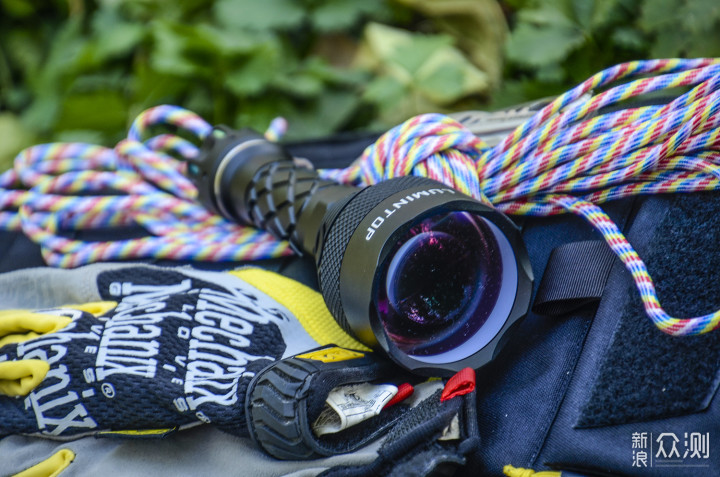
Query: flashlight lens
[440, 283]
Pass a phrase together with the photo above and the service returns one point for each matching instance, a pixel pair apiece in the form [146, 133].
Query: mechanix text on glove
[166, 349]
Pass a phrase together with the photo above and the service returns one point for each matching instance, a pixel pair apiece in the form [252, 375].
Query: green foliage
[477, 26]
[83, 70]
[555, 44]
[77, 70]
[417, 73]
[688, 28]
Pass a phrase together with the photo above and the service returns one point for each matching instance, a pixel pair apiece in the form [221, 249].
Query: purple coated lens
[439, 283]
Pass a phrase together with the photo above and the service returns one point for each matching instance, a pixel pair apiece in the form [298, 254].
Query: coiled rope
[569, 157]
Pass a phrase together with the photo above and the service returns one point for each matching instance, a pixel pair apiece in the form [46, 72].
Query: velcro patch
[647, 374]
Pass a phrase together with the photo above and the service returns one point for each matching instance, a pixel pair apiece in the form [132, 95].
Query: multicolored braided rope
[54, 189]
[580, 150]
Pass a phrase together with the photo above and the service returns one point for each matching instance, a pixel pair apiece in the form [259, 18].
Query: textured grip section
[284, 399]
[278, 194]
[343, 228]
[274, 409]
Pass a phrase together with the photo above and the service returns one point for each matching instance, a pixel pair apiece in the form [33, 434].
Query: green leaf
[338, 15]
[656, 15]
[101, 110]
[413, 54]
[120, 40]
[42, 114]
[208, 104]
[108, 79]
[669, 42]
[515, 92]
[167, 56]
[709, 47]
[700, 16]
[259, 112]
[682, 28]
[257, 72]
[319, 68]
[299, 85]
[447, 76]
[259, 14]
[18, 8]
[478, 28]
[584, 11]
[114, 37]
[395, 102]
[61, 62]
[552, 73]
[233, 42]
[546, 16]
[401, 52]
[24, 51]
[612, 13]
[533, 46]
[385, 92]
[16, 137]
[183, 50]
[149, 87]
[630, 38]
[66, 48]
[425, 72]
[89, 136]
[16, 98]
[321, 117]
[185, 11]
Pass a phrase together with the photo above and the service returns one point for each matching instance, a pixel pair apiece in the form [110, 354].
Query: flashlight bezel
[358, 281]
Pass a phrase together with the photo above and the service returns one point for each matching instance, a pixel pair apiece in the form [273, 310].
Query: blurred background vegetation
[78, 70]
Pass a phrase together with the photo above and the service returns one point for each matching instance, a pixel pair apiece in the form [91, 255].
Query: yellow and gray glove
[161, 349]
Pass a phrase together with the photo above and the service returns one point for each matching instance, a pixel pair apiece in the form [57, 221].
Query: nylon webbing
[575, 276]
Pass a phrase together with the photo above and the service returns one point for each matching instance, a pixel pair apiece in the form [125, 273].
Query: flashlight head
[433, 277]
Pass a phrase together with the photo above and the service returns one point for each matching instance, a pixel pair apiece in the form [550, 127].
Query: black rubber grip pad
[284, 399]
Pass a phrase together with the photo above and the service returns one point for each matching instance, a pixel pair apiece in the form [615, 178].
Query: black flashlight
[434, 278]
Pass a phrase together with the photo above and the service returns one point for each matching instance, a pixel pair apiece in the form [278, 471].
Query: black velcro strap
[575, 276]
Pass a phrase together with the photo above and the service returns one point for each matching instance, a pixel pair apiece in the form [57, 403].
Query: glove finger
[17, 326]
[18, 378]
[52, 466]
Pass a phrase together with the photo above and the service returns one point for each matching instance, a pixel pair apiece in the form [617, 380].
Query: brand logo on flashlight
[380, 219]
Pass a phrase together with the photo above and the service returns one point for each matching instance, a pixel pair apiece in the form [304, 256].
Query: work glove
[153, 350]
[163, 350]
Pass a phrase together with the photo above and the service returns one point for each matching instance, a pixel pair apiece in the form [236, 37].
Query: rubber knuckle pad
[282, 399]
